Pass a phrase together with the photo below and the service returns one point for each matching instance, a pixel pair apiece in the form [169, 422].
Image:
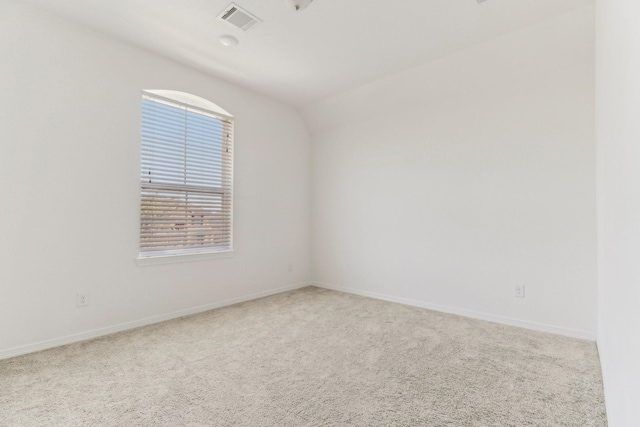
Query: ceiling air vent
[238, 17]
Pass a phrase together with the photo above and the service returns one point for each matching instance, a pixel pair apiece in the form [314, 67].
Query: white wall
[448, 184]
[69, 168]
[618, 140]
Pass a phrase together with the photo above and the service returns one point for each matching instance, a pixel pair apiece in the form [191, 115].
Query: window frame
[190, 103]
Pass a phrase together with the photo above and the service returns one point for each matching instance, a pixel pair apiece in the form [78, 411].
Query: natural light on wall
[186, 176]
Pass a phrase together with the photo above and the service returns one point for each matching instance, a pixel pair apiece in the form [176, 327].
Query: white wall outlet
[519, 291]
[82, 300]
[290, 267]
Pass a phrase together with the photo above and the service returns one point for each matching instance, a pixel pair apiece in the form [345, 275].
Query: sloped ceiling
[303, 57]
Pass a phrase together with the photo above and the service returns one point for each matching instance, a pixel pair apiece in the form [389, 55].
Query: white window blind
[186, 178]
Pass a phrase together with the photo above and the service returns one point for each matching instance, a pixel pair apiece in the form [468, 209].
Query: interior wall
[449, 184]
[69, 167]
[618, 141]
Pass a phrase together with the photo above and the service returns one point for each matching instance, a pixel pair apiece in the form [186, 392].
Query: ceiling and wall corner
[303, 57]
[528, 54]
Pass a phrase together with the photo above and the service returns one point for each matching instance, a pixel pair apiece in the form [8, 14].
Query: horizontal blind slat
[175, 128]
[166, 161]
[210, 149]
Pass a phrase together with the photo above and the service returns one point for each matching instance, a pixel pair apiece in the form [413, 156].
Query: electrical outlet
[519, 291]
[290, 267]
[82, 300]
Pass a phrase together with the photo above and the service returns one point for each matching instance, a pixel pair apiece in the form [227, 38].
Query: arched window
[186, 180]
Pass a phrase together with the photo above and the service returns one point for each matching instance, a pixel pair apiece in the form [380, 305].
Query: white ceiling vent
[238, 17]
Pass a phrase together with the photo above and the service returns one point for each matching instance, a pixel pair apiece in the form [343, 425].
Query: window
[186, 175]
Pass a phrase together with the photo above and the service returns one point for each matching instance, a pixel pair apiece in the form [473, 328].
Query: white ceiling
[302, 57]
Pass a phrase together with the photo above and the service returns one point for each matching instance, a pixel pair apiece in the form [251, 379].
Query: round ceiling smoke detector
[228, 40]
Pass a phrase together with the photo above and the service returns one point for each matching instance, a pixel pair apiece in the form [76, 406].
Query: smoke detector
[228, 41]
[238, 17]
[299, 4]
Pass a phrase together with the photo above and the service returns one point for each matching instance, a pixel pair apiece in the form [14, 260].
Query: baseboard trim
[83, 336]
[466, 313]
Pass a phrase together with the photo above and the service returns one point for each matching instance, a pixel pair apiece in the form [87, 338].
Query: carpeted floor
[310, 357]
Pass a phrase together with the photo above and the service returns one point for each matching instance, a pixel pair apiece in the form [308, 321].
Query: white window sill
[170, 259]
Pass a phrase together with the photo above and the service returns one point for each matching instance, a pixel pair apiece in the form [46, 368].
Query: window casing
[186, 180]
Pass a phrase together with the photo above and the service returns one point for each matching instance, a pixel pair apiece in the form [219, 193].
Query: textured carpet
[310, 357]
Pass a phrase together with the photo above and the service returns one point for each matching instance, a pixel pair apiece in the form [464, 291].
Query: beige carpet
[310, 357]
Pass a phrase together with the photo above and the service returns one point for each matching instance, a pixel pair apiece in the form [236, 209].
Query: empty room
[320, 213]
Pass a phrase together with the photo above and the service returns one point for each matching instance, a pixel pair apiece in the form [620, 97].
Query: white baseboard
[69, 339]
[466, 313]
